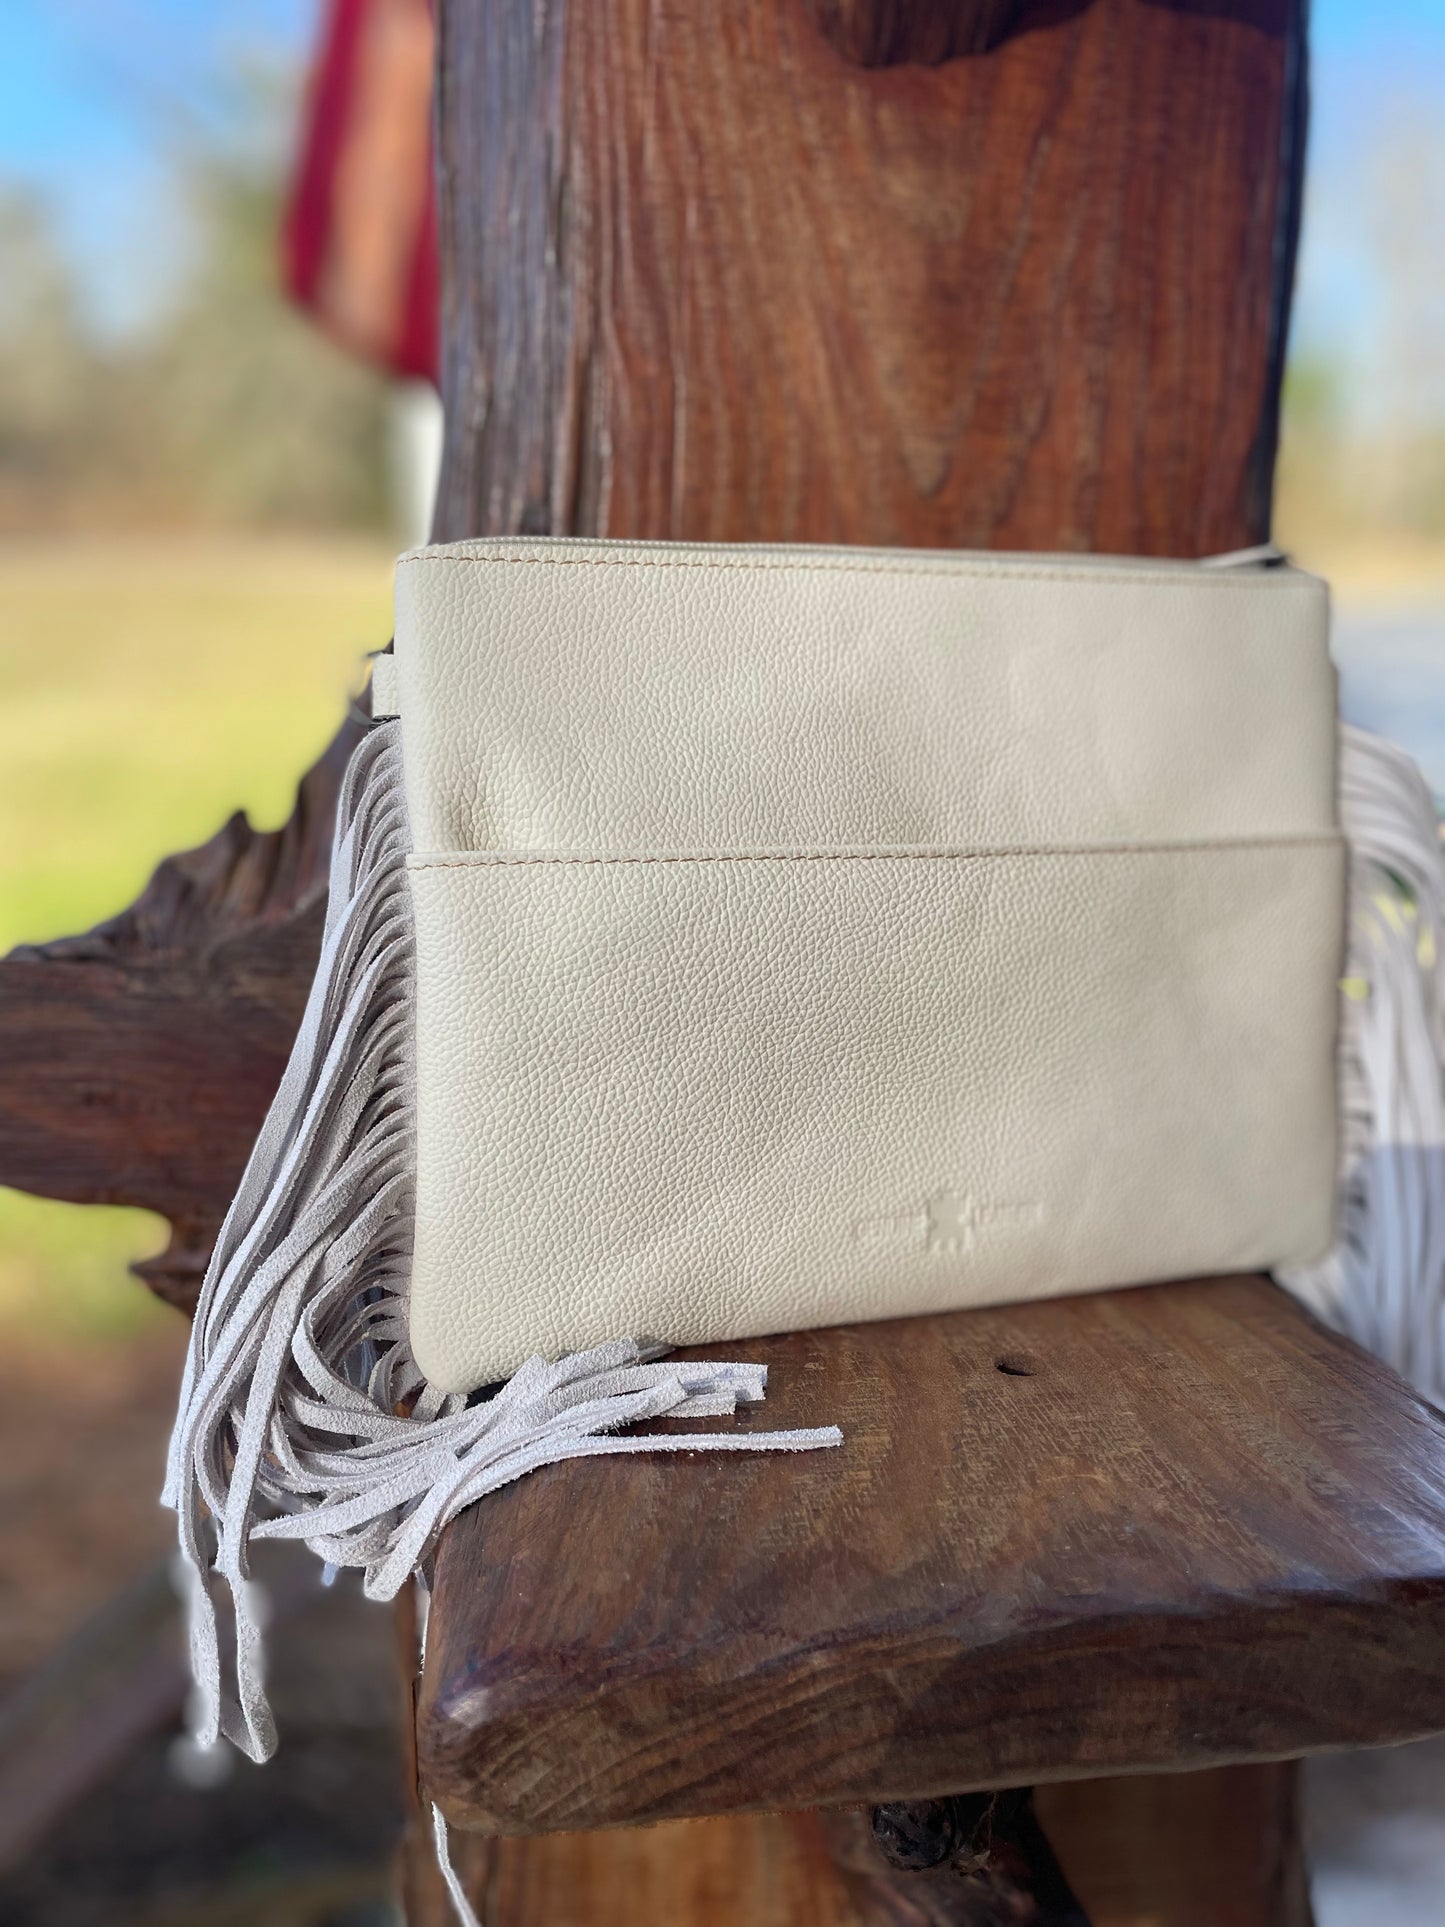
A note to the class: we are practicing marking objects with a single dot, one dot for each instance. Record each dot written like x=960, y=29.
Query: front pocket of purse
x=707, y=1097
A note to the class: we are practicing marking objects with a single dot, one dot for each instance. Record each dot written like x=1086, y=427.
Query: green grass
x=63, y=1276
x=146, y=691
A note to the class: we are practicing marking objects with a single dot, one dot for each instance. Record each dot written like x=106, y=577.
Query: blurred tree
x=1406, y=228
x=1362, y=458
x=46, y=363
x=1314, y=394
x=229, y=409
x=1313, y=508
x=277, y=425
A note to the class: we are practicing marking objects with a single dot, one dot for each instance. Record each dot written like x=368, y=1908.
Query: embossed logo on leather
x=947, y=1221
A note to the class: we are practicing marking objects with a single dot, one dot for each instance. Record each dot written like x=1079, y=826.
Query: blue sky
x=93, y=91
x=1378, y=86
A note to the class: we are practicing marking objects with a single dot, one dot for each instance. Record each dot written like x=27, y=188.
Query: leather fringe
x=301, y=1399
x=1383, y=1282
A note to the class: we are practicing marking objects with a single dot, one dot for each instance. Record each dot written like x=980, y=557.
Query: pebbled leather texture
x=814, y=935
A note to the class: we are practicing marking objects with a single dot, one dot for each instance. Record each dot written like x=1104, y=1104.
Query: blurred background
x=204, y=477
x=202, y=485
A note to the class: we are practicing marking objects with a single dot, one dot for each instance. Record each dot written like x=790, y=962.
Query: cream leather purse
x=808, y=936
x=726, y=941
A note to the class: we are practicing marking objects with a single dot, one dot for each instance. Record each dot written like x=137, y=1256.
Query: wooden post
x=705, y=278
x=902, y=272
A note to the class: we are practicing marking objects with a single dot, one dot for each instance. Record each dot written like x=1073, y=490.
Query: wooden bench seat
x=1157, y=1529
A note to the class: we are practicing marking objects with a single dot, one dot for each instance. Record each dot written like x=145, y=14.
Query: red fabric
x=308, y=210
x=394, y=323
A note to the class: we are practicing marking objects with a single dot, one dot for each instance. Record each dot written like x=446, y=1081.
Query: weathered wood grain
x=707, y=280
x=1218, y=1848
x=753, y=1870
x=1166, y=1528
x=756, y=1870
x=1210, y=1849
x=137, y=1061
x=887, y=33
x=703, y=281
x=1000, y=1870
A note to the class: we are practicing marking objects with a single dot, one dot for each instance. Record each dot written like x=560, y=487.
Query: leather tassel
x=301, y=1400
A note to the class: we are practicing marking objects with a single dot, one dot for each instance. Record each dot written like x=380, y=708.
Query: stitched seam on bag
x=490, y=860
x=1166, y=572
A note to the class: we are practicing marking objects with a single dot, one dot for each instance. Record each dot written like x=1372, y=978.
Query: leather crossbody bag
x=810, y=936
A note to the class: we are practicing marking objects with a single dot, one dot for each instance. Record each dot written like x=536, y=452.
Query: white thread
x=465, y=1912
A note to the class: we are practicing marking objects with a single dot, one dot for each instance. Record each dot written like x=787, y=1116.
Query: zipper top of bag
x=562, y=549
